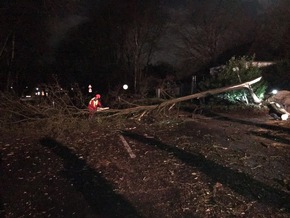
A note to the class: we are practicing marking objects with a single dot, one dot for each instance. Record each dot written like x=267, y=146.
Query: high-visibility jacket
x=94, y=104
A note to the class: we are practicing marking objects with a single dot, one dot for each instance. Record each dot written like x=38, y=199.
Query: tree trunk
x=246, y=85
x=140, y=111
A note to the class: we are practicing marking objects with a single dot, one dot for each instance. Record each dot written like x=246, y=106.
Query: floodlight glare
x=274, y=91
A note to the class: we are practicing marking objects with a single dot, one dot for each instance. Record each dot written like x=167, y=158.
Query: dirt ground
x=214, y=165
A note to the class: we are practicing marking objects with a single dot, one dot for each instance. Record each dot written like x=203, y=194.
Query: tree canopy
x=111, y=42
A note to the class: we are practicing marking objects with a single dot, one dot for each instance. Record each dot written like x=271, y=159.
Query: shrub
x=236, y=71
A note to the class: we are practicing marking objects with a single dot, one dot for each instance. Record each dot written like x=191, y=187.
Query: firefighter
x=94, y=104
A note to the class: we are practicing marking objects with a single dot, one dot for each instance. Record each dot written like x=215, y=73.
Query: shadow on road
x=247, y=122
x=98, y=193
x=272, y=137
x=239, y=182
x=261, y=125
x=2, y=212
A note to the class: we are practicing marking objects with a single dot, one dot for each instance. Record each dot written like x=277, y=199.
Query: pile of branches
x=55, y=112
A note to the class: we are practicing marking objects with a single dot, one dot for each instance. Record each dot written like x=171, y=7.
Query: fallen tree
x=140, y=111
x=28, y=112
x=246, y=85
x=63, y=116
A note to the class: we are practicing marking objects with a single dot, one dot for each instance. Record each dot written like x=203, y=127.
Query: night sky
x=111, y=42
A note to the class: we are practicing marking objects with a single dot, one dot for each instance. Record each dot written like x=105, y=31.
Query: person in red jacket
x=94, y=104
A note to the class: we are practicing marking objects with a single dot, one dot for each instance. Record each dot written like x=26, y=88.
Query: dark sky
x=174, y=7
x=60, y=22
x=63, y=24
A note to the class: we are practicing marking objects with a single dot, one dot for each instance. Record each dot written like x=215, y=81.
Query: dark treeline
x=110, y=42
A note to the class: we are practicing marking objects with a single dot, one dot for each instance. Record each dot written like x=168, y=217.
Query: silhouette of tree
x=115, y=43
x=210, y=28
x=24, y=40
x=142, y=33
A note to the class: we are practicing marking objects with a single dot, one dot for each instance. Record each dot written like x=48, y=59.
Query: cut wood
x=127, y=146
x=102, y=108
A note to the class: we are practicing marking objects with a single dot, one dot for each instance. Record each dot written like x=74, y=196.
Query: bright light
x=274, y=91
x=90, y=88
x=125, y=87
x=236, y=69
x=284, y=117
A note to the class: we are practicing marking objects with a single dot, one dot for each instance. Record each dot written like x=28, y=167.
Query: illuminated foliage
x=236, y=71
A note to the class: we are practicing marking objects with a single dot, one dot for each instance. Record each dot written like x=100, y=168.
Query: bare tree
x=24, y=38
x=211, y=28
x=141, y=35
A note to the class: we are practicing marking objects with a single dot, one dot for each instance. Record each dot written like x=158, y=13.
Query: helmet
x=98, y=96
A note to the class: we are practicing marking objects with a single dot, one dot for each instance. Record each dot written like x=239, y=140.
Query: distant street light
x=125, y=86
x=90, y=89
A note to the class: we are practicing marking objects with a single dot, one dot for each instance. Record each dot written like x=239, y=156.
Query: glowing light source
x=274, y=91
x=90, y=88
x=284, y=117
x=125, y=86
